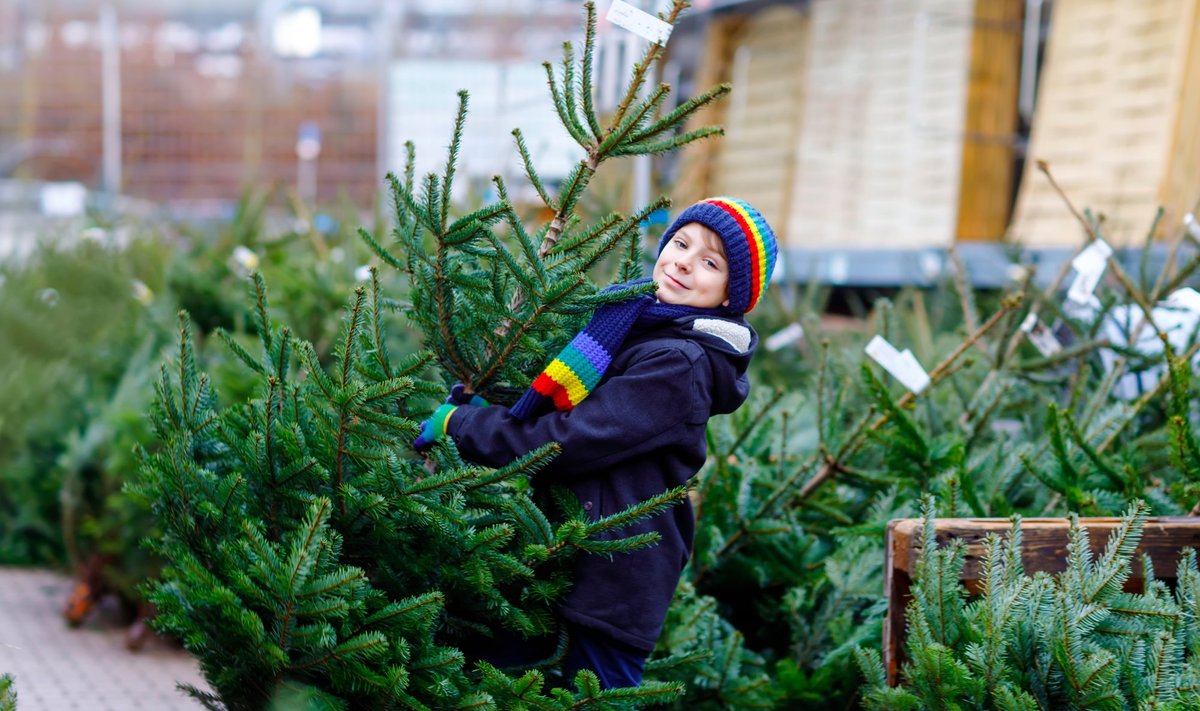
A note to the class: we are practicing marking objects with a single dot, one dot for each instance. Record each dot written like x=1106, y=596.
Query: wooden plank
x=983, y=202
x=1179, y=191
x=1044, y=549
x=885, y=97
x=756, y=163
x=698, y=160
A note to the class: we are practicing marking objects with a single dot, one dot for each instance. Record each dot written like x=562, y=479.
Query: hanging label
x=639, y=22
x=1193, y=227
x=1185, y=298
x=1040, y=335
x=1089, y=267
x=786, y=336
x=902, y=365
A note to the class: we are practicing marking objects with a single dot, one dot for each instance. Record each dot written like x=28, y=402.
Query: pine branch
x=530, y=171
x=381, y=252
x=859, y=434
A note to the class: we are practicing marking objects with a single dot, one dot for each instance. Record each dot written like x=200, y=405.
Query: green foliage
x=282, y=452
x=308, y=559
x=72, y=325
x=310, y=562
x=8, y=694
x=88, y=318
x=807, y=476
x=492, y=294
x=705, y=652
x=1074, y=640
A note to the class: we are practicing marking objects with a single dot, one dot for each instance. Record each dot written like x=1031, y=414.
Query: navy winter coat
x=639, y=433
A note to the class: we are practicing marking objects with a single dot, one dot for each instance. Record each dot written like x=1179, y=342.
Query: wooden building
x=875, y=136
x=1118, y=122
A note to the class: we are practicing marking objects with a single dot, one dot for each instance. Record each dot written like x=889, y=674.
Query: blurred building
x=186, y=104
x=875, y=135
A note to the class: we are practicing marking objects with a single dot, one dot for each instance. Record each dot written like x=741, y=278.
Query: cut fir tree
x=493, y=295
x=1074, y=640
x=312, y=558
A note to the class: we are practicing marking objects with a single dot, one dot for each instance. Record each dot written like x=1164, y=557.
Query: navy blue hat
x=750, y=245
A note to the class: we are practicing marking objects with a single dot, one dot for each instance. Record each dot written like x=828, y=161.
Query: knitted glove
x=459, y=396
x=434, y=428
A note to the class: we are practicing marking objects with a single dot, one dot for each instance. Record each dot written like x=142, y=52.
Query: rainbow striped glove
x=434, y=428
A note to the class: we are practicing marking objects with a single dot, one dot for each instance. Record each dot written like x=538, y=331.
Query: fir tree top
x=492, y=292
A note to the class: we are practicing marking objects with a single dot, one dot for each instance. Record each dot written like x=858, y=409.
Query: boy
x=628, y=401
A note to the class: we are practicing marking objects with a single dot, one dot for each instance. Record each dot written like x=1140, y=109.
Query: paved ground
x=59, y=669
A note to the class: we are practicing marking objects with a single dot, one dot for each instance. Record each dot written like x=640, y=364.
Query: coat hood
x=729, y=342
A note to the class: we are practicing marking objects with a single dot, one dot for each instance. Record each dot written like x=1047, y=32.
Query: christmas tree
x=312, y=558
x=1074, y=640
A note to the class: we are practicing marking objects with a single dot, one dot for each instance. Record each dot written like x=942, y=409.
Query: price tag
x=902, y=365
x=1185, y=298
x=838, y=268
x=785, y=337
x=639, y=22
x=1089, y=267
x=1040, y=336
x=1193, y=227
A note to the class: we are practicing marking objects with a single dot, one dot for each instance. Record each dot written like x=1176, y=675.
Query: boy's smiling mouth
x=678, y=284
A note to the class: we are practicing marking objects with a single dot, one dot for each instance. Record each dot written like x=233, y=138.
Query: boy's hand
x=434, y=428
x=459, y=396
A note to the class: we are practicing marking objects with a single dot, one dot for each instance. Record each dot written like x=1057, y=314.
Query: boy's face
x=692, y=270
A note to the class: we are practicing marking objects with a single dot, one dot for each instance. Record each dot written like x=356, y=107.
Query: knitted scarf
x=576, y=371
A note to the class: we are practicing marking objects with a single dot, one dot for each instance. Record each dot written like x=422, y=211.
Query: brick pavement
x=60, y=669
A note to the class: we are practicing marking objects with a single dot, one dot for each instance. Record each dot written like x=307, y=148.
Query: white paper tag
x=1193, y=227
x=1185, y=298
x=786, y=336
x=1040, y=336
x=839, y=268
x=902, y=365
x=639, y=22
x=1089, y=267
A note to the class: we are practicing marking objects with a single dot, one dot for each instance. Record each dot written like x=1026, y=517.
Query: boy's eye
x=710, y=264
x=680, y=244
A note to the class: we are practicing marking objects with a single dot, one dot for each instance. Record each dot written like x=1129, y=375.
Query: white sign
x=1040, y=336
x=785, y=337
x=63, y=199
x=1089, y=267
x=1193, y=227
x=639, y=22
x=1185, y=298
x=902, y=365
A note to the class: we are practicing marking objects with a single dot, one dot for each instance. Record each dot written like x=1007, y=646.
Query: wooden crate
x=1044, y=548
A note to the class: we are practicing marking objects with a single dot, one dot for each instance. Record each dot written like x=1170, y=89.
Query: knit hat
x=750, y=246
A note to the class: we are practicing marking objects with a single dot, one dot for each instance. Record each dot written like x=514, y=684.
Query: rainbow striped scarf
x=575, y=372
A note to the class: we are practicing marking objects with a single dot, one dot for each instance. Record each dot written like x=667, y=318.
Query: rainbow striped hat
x=750, y=246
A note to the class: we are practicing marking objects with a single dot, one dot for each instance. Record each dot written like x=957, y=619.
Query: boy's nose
x=682, y=264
